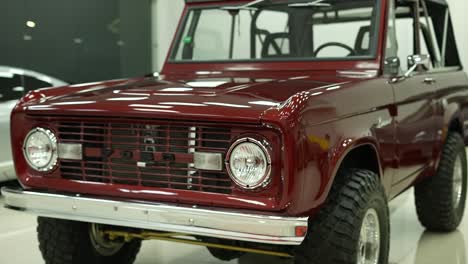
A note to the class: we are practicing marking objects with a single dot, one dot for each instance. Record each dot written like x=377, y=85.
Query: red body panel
x=321, y=110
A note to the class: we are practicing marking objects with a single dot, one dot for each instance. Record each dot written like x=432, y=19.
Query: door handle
x=429, y=80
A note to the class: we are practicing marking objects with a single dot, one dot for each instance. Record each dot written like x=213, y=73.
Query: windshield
x=262, y=30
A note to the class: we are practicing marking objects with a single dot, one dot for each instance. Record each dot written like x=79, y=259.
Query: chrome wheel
x=369, y=240
x=101, y=244
x=457, y=181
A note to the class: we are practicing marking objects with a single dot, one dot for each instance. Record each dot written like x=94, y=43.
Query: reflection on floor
x=410, y=244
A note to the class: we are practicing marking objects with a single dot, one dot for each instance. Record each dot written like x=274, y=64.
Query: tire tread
x=67, y=242
x=433, y=196
x=332, y=233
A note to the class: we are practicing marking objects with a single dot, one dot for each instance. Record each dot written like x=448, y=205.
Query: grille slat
x=95, y=170
x=149, y=142
x=156, y=168
x=70, y=128
x=117, y=137
x=145, y=182
x=205, y=147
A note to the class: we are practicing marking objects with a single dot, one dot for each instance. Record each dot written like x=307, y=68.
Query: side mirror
x=415, y=61
x=392, y=66
x=153, y=74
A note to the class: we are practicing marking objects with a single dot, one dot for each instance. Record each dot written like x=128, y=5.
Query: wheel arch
x=454, y=120
x=361, y=154
x=455, y=124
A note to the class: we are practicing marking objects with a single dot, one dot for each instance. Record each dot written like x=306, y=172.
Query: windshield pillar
x=301, y=35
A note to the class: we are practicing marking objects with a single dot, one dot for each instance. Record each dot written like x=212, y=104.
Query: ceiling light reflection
x=266, y=103
x=127, y=99
x=182, y=104
x=100, y=87
x=30, y=24
x=207, y=72
x=75, y=103
x=172, y=94
x=176, y=89
x=334, y=88
x=155, y=110
x=151, y=106
x=248, y=201
x=136, y=94
x=85, y=84
x=227, y=105
x=41, y=107
x=210, y=84
x=299, y=78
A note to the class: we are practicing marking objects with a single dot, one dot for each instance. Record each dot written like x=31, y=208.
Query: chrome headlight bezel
x=52, y=163
x=265, y=179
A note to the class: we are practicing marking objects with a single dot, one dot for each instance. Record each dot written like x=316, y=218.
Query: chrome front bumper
x=196, y=221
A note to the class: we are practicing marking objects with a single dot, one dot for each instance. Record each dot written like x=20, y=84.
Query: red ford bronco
x=275, y=127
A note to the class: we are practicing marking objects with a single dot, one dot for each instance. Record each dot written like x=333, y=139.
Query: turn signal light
x=301, y=231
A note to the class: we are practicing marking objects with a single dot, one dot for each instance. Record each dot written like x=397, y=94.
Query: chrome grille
x=114, y=152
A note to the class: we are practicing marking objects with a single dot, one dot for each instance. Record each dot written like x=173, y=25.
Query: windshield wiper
x=309, y=4
x=248, y=6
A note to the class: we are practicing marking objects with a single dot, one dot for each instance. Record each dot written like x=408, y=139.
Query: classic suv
x=275, y=127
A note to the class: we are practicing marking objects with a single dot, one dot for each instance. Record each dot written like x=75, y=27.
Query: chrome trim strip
x=191, y=149
x=208, y=222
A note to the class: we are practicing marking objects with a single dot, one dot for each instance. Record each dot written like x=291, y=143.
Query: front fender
x=322, y=149
x=321, y=127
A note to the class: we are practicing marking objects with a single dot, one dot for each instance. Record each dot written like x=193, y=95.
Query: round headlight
x=40, y=149
x=249, y=163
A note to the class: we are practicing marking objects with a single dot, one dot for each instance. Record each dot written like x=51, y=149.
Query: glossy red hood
x=233, y=99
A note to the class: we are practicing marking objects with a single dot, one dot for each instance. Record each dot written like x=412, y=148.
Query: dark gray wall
x=77, y=41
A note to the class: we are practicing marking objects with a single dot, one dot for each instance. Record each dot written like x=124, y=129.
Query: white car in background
x=14, y=83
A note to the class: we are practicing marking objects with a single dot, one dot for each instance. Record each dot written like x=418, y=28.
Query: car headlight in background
x=40, y=149
x=249, y=164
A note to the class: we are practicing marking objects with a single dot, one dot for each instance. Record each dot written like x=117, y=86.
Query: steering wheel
x=335, y=44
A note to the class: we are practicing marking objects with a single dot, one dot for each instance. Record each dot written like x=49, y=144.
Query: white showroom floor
x=409, y=243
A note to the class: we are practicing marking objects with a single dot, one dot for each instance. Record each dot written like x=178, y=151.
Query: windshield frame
x=173, y=52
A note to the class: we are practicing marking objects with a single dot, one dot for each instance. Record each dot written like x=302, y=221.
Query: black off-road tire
x=223, y=254
x=435, y=205
x=68, y=242
x=333, y=236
